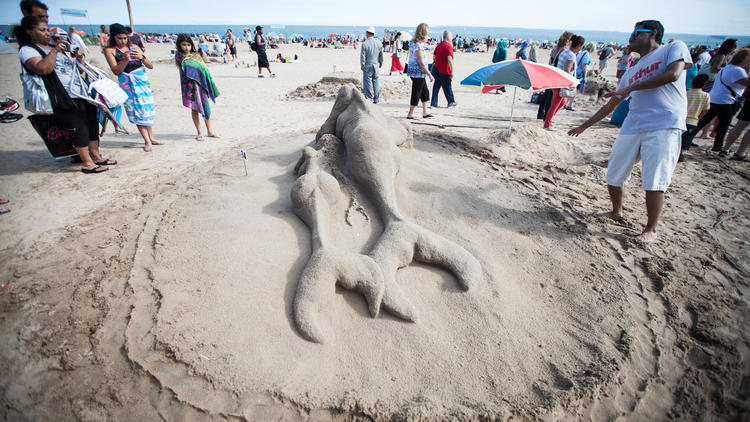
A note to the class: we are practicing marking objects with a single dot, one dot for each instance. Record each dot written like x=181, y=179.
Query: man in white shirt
x=76, y=39
x=654, y=125
x=704, y=57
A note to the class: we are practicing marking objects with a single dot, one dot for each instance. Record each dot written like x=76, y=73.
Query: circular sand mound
x=213, y=320
x=390, y=86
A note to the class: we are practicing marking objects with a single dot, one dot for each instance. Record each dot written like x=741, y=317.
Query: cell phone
x=133, y=49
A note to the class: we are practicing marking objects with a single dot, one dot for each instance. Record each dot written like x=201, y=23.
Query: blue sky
x=721, y=17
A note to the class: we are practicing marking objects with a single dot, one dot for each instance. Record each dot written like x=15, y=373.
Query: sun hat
x=370, y=29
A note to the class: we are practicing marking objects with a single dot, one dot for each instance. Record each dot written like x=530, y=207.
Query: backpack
x=603, y=54
x=254, y=46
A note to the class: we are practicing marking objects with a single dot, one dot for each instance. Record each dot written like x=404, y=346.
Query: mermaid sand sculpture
x=360, y=143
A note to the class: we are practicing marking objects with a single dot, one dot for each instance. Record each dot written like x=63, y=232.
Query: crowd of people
x=671, y=92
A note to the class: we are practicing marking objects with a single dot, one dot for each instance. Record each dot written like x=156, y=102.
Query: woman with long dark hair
x=396, y=65
x=196, y=83
x=567, y=62
x=729, y=86
x=66, y=88
x=127, y=61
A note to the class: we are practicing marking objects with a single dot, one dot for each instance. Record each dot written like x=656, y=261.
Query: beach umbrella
x=348, y=34
x=519, y=74
x=275, y=35
x=334, y=35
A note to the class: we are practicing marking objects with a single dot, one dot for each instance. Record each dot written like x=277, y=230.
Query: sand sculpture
x=360, y=144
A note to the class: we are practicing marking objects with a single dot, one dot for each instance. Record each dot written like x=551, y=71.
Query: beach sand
x=163, y=289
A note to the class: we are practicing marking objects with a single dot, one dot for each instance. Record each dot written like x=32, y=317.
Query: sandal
x=157, y=143
x=5, y=288
x=427, y=116
x=4, y=211
x=95, y=170
x=106, y=162
x=410, y=117
x=737, y=157
x=147, y=148
x=200, y=138
x=213, y=135
x=4, y=201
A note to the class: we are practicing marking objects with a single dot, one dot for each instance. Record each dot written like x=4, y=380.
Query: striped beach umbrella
x=519, y=74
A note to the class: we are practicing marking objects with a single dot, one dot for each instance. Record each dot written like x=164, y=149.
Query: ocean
x=464, y=31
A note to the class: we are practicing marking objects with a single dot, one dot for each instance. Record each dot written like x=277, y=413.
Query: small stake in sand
x=244, y=159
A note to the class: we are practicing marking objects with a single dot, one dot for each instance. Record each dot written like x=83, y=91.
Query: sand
x=165, y=288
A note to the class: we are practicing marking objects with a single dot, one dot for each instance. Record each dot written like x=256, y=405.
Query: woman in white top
x=567, y=62
x=66, y=89
x=728, y=87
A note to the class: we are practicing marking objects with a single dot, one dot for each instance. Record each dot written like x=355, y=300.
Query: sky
x=725, y=17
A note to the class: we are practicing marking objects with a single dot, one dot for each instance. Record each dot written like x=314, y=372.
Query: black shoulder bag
x=737, y=99
x=58, y=96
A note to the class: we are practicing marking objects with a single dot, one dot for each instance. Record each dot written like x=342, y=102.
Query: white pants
x=658, y=152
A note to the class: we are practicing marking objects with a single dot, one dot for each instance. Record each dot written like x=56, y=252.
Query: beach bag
x=35, y=97
x=254, y=46
x=568, y=92
x=56, y=137
x=737, y=105
x=109, y=90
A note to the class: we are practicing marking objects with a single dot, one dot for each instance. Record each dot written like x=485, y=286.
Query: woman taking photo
x=66, y=89
x=417, y=70
x=127, y=61
x=198, y=86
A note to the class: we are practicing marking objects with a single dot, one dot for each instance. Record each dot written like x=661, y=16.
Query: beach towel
x=140, y=105
x=197, y=86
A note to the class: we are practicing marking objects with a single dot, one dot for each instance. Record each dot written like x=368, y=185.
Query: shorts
x=233, y=50
x=603, y=63
x=419, y=91
x=81, y=122
x=658, y=151
x=262, y=60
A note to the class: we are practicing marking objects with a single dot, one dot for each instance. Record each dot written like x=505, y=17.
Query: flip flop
x=410, y=118
x=736, y=157
x=4, y=211
x=200, y=138
x=95, y=170
x=5, y=288
x=157, y=143
x=427, y=116
x=147, y=148
x=106, y=162
x=212, y=135
x=4, y=201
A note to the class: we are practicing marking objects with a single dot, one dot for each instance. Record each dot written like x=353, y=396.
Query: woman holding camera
x=67, y=92
x=127, y=61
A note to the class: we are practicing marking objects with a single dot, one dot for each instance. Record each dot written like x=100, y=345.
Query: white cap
x=370, y=29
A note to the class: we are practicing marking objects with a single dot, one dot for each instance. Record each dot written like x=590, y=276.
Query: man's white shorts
x=658, y=151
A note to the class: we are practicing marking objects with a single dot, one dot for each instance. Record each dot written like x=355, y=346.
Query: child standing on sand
x=196, y=83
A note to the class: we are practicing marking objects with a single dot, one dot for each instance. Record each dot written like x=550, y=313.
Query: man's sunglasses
x=637, y=31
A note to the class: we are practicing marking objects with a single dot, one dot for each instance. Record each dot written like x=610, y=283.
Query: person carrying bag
x=72, y=127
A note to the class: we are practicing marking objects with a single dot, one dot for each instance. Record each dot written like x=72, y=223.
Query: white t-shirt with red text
x=659, y=108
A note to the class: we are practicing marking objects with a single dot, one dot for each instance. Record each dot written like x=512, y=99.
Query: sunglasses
x=637, y=31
